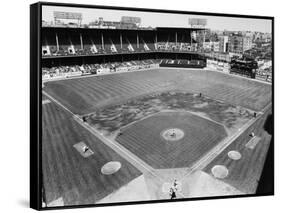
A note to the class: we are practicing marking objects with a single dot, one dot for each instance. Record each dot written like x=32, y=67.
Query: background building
x=239, y=44
x=223, y=43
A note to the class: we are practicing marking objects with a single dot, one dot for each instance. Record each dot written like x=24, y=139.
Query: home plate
x=83, y=149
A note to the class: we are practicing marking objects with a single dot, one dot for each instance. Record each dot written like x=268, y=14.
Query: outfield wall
x=218, y=66
x=102, y=71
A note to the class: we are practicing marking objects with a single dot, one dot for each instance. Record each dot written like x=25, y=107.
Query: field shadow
x=268, y=125
x=266, y=183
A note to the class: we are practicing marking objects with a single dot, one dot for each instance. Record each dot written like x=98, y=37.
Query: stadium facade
x=113, y=50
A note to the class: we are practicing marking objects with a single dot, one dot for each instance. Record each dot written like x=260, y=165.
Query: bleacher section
x=60, y=72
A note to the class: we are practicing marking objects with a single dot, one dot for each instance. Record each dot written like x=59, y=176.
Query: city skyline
x=156, y=19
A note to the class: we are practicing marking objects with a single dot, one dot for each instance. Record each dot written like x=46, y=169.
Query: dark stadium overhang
x=123, y=53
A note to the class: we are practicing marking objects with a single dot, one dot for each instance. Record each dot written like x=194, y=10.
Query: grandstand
x=112, y=41
x=102, y=47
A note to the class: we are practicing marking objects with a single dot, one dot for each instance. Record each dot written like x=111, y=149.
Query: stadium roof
x=178, y=29
x=138, y=29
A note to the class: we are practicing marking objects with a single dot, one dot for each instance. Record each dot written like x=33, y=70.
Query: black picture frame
x=266, y=184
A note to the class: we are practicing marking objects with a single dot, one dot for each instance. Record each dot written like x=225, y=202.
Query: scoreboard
x=130, y=20
x=197, y=22
x=67, y=15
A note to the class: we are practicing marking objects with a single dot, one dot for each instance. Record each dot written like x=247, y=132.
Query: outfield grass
x=244, y=174
x=66, y=173
x=84, y=95
x=144, y=140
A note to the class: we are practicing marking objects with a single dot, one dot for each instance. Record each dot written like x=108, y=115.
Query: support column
x=102, y=42
x=204, y=35
x=156, y=40
x=81, y=42
x=121, y=43
x=138, y=45
x=176, y=36
x=57, y=42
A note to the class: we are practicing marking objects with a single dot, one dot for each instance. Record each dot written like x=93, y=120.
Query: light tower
x=196, y=23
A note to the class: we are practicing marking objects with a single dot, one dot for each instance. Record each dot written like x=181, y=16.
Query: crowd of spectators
x=94, y=50
x=115, y=48
x=264, y=74
x=112, y=67
x=88, y=69
x=173, y=46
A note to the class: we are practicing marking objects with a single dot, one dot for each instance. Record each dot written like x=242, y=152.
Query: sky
x=154, y=19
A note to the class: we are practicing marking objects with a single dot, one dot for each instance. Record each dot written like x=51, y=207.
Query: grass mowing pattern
x=66, y=173
x=245, y=172
x=84, y=95
x=144, y=140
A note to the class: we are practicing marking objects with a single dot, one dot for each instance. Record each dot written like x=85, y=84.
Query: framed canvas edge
x=36, y=176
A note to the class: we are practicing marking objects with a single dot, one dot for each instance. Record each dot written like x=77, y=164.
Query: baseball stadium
x=129, y=113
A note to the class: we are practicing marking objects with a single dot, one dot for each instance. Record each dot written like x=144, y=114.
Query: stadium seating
x=57, y=42
x=86, y=69
x=49, y=42
x=64, y=43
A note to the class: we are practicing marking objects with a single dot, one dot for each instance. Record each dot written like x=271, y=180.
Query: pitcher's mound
x=172, y=134
x=219, y=171
x=110, y=167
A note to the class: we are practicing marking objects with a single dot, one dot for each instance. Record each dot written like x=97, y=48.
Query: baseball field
x=162, y=118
